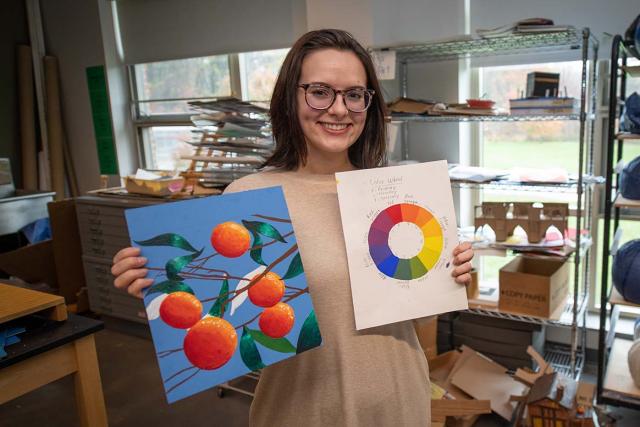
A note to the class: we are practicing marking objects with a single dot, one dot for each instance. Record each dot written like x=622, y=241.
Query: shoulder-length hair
x=291, y=150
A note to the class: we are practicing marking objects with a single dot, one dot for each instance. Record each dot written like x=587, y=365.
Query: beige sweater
x=374, y=377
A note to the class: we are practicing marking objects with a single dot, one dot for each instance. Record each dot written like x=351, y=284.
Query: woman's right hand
x=129, y=272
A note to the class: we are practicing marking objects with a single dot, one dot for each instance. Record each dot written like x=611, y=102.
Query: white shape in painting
x=238, y=300
x=153, y=308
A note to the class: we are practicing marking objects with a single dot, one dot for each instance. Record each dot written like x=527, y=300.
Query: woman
x=327, y=114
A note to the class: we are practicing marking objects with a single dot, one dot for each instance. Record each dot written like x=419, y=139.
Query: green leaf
x=256, y=254
x=249, y=351
x=168, y=239
x=281, y=345
x=221, y=302
x=309, y=334
x=174, y=266
x=169, y=286
x=295, y=268
x=265, y=229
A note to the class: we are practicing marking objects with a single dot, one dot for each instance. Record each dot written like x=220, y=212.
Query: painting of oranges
x=229, y=295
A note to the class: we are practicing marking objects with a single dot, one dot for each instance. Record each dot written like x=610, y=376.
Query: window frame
x=143, y=122
x=477, y=150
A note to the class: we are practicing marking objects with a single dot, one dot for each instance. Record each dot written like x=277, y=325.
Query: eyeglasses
x=322, y=97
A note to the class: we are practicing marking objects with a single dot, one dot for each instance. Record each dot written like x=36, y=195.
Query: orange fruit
x=180, y=310
x=230, y=239
x=210, y=343
x=267, y=291
x=277, y=321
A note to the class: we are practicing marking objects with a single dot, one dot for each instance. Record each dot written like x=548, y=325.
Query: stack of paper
x=232, y=138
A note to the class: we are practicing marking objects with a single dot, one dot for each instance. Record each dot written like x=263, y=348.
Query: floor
x=134, y=395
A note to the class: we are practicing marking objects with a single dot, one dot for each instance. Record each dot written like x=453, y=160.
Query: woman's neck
x=319, y=163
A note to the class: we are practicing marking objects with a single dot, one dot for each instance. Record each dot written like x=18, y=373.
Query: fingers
x=126, y=264
x=462, y=247
x=124, y=280
x=126, y=253
x=461, y=270
x=464, y=279
x=138, y=285
x=463, y=257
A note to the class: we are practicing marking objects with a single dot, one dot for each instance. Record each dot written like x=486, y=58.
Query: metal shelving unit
x=569, y=187
x=493, y=118
x=574, y=40
x=614, y=204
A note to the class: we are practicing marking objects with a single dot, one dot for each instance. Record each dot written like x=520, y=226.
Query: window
x=161, y=92
x=532, y=144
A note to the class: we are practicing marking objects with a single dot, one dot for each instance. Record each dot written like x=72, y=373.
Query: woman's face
x=335, y=129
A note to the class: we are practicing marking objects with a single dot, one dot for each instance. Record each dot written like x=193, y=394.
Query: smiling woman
x=327, y=116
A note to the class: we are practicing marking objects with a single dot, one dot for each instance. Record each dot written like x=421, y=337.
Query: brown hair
x=291, y=150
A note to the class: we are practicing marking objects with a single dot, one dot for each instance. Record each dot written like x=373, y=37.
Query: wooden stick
x=27, y=119
x=54, y=126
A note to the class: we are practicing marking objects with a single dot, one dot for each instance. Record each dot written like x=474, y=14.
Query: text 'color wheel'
x=405, y=268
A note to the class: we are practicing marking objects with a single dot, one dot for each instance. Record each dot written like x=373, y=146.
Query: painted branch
x=271, y=218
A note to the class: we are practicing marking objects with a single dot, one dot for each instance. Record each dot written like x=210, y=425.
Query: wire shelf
x=569, y=187
x=559, y=356
x=566, y=318
x=556, y=41
x=489, y=118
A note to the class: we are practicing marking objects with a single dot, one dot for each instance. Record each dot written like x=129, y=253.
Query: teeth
x=334, y=126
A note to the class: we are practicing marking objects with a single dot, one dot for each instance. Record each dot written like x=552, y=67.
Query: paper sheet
x=400, y=231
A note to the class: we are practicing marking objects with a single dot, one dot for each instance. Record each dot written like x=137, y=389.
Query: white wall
x=72, y=34
x=13, y=31
x=355, y=16
x=154, y=30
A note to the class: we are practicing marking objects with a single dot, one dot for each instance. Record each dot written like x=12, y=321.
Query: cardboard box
x=67, y=252
x=533, y=286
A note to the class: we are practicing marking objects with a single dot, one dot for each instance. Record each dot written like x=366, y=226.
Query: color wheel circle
x=405, y=268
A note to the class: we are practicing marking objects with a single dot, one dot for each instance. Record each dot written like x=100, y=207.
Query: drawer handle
x=142, y=314
x=97, y=240
x=95, y=221
x=93, y=211
x=95, y=230
x=98, y=251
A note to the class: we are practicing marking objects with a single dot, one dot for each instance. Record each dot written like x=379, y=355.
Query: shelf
x=559, y=356
x=621, y=202
x=616, y=299
x=565, y=318
x=618, y=385
x=509, y=44
x=570, y=187
x=498, y=118
x=632, y=70
x=628, y=136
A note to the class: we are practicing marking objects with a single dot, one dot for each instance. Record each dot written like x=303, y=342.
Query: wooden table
x=50, y=350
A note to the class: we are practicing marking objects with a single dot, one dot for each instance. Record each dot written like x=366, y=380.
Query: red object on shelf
x=480, y=103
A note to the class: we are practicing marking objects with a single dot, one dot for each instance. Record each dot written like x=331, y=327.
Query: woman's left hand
x=462, y=255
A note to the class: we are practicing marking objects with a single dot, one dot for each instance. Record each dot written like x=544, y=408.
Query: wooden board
x=17, y=302
x=618, y=378
x=617, y=298
x=484, y=379
x=624, y=135
x=621, y=202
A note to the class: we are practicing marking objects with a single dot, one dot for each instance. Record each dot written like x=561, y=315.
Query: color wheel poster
x=400, y=231
x=229, y=294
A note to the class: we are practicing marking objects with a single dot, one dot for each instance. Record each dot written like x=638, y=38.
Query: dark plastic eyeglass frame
x=306, y=86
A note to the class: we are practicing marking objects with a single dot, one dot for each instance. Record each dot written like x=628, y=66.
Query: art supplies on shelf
x=543, y=106
x=232, y=138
